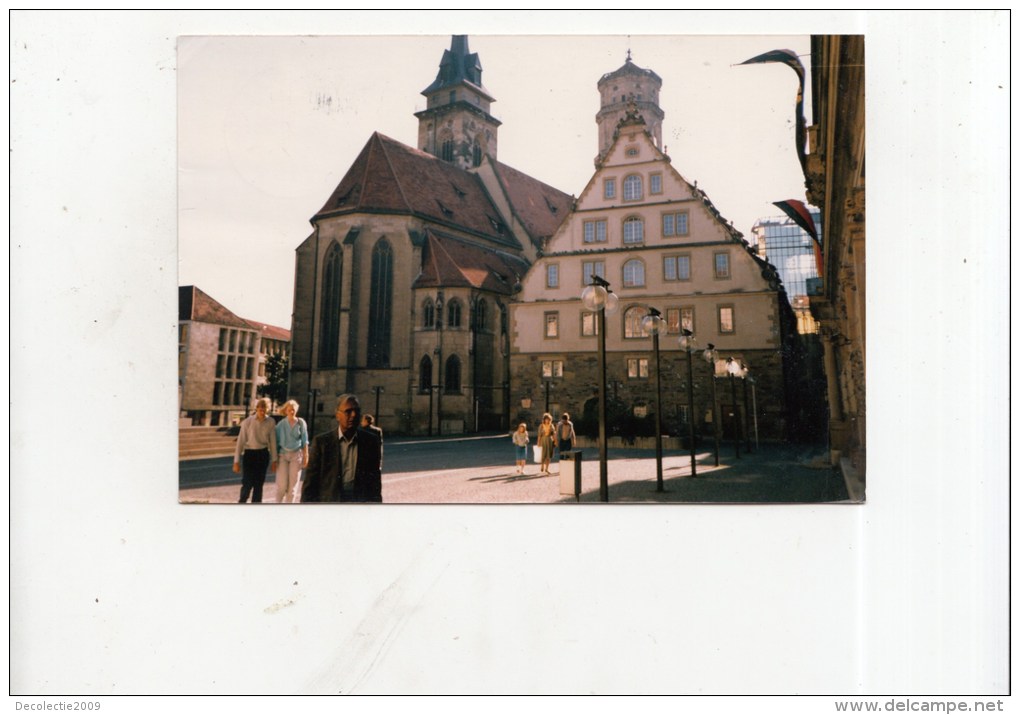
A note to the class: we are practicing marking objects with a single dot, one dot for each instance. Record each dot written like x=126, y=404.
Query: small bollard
x=570, y=480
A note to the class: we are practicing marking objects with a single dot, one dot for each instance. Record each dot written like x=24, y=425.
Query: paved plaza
x=773, y=473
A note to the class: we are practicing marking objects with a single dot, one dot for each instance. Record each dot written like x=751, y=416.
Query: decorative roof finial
x=628, y=54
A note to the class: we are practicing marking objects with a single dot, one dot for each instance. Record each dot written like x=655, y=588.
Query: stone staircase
x=204, y=442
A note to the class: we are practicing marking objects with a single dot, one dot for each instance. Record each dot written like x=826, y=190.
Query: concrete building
x=219, y=359
x=836, y=184
x=401, y=289
x=660, y=242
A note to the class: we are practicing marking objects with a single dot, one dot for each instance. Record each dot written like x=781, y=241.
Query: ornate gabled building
x=836, y=182
x=401, y=289
x=659, y=242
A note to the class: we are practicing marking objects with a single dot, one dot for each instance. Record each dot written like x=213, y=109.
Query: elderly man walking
x=255, y=450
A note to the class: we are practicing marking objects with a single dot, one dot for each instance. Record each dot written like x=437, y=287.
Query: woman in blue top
x=292, y=443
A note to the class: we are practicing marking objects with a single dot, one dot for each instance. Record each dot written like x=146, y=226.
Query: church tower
x=623, y=92
x=456, y=125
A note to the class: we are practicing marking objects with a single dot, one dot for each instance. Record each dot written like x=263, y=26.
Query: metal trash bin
x=570, y=479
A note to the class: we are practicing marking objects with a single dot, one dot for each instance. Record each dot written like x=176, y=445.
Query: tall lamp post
x=313, y=398
x=733, y=368
x=377, y=389
x=652, y=324
x=600, y=300
x=710, y=355
x=687, y=345
x=745, y=374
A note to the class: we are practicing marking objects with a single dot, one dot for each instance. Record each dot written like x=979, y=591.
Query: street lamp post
x=652, y=324
x=377, y=389
x=599, y=299
x=313, y=395
x=710, y=356
x=744, y=373
x=548, y=384
x=754, y=411
x=733, y=368
x=687, y=345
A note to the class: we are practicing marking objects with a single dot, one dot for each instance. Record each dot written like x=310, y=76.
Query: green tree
x=275, y=387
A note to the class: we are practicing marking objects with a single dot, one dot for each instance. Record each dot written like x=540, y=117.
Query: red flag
x=791, y=60
x=800, y=215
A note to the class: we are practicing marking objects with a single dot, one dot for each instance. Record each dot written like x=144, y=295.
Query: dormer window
x=459, y=191
x=446, y=212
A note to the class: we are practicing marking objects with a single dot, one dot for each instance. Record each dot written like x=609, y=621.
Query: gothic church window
x=425, y=374
x=329, y=324
x=380, y=307
x=453, y=314
x=428, y=312
x=452, y=374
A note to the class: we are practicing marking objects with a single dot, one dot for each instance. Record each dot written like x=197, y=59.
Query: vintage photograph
x=521, y=269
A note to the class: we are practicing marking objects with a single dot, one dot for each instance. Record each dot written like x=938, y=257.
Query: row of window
x=676, y=318
x=637, y=368
x=672, y=223
x=454, y=314
x=674, y=268
x=234, y=366
x=633, y=186
x=231, y=393
x=236, y=341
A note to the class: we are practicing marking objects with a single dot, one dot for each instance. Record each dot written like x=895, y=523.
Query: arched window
x=632, y=325
x=380, y=309
x=329, y=322
x=452, y=381
x=633, y=230
x=633, y=273
x=481, y=314
x=476, y=154
x=425, y=374
x=632, y=188
x=453, y=314
x=447, y=151
x=428, y=313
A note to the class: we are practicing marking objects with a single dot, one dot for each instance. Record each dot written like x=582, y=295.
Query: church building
x=402, y=288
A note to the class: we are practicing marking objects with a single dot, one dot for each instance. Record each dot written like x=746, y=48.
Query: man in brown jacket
x=344, y=465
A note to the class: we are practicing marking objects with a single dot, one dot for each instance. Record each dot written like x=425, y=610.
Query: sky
x=269, y=125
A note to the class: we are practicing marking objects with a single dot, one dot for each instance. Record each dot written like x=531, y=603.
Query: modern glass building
x=791, y=250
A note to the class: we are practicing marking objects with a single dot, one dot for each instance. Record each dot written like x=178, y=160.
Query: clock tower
x=456, y=125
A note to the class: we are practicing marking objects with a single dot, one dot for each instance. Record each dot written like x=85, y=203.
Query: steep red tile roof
x=390, y=177
x=538, y=206
x=449, y=261
x=194, y=304
x=270, y=331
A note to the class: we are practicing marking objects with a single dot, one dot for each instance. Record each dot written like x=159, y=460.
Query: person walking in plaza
x=546, y=441
x=344, y=464
x=565, y=434
x=520, y=438
x=368, y=422
x=255, y=450
x=292, y=442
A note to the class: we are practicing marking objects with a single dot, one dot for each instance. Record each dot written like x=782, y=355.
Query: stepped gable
x=390, y=177
x=451, y=262
x=196, y=305
x=538, y=206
